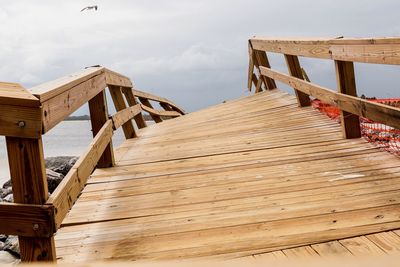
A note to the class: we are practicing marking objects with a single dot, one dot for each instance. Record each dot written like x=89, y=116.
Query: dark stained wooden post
x=119, y=103
x=130, y=98
x=294, y=68
x=29, y=185
x=98, y=117
x=346, y=82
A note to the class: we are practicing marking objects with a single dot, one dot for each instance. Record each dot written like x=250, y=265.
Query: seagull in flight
x=90, y=8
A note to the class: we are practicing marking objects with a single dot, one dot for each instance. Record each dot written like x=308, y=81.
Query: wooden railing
x=25, y=115
x=344, y=52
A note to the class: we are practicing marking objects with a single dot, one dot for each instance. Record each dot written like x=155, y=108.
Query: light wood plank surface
x=245, y=178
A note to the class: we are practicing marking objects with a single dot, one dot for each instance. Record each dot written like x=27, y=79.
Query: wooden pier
x=264, y=176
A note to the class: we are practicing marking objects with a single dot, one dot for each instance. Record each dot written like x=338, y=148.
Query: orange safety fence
x=381, y=135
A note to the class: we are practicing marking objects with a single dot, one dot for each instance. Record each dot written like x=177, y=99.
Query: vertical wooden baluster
x=261, y=59
x=99, y=116
x=119, y=103
x=29, y=185
x=130, y=98
x=346, y=82
x=294, y=68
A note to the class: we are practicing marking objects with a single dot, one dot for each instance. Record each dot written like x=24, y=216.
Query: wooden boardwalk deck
x=250, y=176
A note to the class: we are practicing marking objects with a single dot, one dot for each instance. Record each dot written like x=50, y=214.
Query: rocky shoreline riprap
x=56, y=169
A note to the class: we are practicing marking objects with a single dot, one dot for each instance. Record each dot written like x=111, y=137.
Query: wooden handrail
x=28, y=114
x=344, y=51
x=365, y=50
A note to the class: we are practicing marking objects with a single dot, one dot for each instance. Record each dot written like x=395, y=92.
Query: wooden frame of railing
x=344, y=51
x=26, y=115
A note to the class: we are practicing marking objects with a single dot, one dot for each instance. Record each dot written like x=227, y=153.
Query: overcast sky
x=193, y=52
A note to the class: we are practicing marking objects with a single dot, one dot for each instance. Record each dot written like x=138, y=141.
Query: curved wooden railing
x=25, y=115
x=344, y=52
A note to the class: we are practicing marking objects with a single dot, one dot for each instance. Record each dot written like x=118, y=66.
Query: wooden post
x=29, y=185
x=119, y=103
x=130, y=98
x=294, y=68
x=99, y=116
x=147, y=103
x=347, y=85
x=261, y=59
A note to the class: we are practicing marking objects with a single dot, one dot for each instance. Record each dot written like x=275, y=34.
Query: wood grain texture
x=127, y=114
x=377, y=50
x=117, y=79
x=165, y=113
x=346, y=81
x=15, y=94
x=293, y=65
x=130, y=98
x=119, y=103
x=146, y=106
x=27, y=220
x=29, y=183
x=208, y=185
x=98, y=117
x=261, y=59
x=374, y=111
x=12, y=116
x=149, y=96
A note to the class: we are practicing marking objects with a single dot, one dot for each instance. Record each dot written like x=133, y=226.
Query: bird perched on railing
x=90, y=8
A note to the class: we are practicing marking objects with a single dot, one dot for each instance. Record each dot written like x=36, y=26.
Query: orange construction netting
x=381, y=135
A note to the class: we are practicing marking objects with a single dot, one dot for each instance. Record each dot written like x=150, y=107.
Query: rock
x=60, y=164
x=3, y=237
x=2, y=245
x=9, y=198
x=5, y=192
x=7, y=258
x=7, y=184
x=12, y=246
x=53, y=179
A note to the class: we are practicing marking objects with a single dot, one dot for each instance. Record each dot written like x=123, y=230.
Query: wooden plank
x=29, y=182
x=149, y=96
x=258, y=86
x=98, y=117
x=125, y=115
x=374, y=111
x=379, y=50
x=116, y=79
x=294, y=68
x=119, y=103
x=332, y=248
x=27, y=220
x=250, y=74
x=71, y=186
x=360, y=246
x=261, y=59
x=53, y=88
x=165, y=113
x=347, y=85
x=146, y=106
x=19, y=121
x=130, y=98
x=387, y=241
x=15, y=94
x=57, y=108
x=300, y=252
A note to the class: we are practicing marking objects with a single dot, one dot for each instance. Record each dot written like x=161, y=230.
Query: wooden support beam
x=29, y=183
x=127, y=114
x=294, y=68
x=147, y=106
x=346, y=82
x=119, y=103
x=130, y=98
x=158, y=99
x=67, y=192
x=27, y=220
x=116, y=79
x=374, y=111
x=258, y=86
x=160, y=113
x=261, y=60
x=98, y=116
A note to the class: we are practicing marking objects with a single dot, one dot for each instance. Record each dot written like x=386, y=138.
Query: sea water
x=68, y=138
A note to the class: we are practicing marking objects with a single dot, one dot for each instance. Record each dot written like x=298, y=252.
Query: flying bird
x=89, y=8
